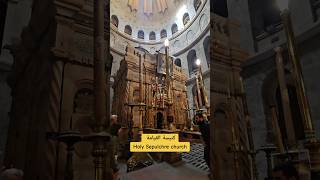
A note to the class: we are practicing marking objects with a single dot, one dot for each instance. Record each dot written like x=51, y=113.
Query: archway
x=191, y=59
x=177, y=62
x=159, y=120
x=114, y=20
x=206, y=46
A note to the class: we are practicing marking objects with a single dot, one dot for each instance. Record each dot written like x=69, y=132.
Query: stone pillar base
x=314, y=152
x=298, y=158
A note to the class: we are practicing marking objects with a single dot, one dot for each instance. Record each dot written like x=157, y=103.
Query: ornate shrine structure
x=144, y=93
x=230, y=123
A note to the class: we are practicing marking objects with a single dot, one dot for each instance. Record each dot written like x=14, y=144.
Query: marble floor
x=192, y=167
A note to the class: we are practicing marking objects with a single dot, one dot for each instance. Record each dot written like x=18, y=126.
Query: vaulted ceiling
x=151, y=14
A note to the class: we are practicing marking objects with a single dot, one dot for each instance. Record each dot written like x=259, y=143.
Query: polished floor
x=192, y=167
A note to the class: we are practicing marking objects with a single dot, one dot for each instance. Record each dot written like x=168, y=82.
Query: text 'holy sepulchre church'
x=249, y=68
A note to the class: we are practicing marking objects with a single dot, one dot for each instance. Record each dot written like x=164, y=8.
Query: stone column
x=100, y=95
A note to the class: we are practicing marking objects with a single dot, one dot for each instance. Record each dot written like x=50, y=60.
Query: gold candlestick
x=298, y=76
x=285, y=97
x=276, y=128
x=203, y=89
x=249, y=131
x=198, y=94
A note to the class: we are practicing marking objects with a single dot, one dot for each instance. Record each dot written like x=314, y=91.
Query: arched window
x=114, y=20
x=191, y=58
x=152, y=35
x=197, y=4
x=140, y=34
x=206, y=46
x=174, y=28
x=163, y=33
x=177, y=62
x=128, y=30
x=186, y=18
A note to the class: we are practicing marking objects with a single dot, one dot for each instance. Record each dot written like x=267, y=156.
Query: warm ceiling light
x=283, y=4
x=198, y=62
x=166, y=43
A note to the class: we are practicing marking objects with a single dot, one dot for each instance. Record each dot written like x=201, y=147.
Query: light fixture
x=198, y=62
x=283, y=5
x=166, y=43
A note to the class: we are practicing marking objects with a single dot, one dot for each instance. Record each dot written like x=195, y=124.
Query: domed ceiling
x=148, y=13
x=151, y=15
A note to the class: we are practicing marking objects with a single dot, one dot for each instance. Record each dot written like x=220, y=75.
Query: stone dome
x=152, y=20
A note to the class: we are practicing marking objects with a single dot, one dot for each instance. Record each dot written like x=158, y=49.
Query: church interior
x=81, y=79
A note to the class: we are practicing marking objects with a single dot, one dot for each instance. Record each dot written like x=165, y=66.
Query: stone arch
x=177, y=62
x=152, y=35
x=185, y=18
x=115, y=20
x=197, y=4
x=174, y=28
x=159, y=120
x=140, y=34
x=206, y=46
x=128, y=30
x=191, y=59
x=163, y=33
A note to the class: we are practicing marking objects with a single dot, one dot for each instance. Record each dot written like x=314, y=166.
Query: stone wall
x=14, y=24
x=256, y=76
x=5, y=104
x=260, y=66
